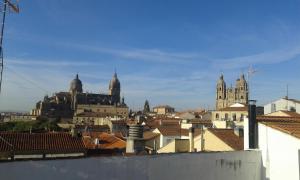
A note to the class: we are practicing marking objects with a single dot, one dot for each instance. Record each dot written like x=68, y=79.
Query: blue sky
x=169, y=52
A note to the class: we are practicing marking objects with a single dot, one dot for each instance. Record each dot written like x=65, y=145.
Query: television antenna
x=250, y=73
x=13, y=7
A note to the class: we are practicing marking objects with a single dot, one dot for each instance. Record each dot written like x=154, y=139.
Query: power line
x=26, y=79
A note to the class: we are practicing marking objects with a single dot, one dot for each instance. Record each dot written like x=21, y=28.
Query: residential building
x=152, y=140
x=20, y=117
x=219, y=140
x=229, y=117
x=164, y=110
x=99, y=143
x=277, y=136
x=169, y=133
x=282, y=104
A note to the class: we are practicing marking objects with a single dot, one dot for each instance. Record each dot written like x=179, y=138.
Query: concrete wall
x=280, y=153
x=244, y=165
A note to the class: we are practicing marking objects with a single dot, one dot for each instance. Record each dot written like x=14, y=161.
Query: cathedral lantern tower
x=221, y=93
x=75, y=88
x=115, y=89
x=76, y=85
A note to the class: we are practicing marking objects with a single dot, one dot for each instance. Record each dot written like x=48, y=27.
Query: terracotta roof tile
x=289, y=125
x=176, y=131
x=106, y=141
x=150, y=135
x=41, y=142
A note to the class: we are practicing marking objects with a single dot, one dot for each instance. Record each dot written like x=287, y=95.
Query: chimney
x=239, y=132
x=191, y=138
x=135, y=142
x=252, y=125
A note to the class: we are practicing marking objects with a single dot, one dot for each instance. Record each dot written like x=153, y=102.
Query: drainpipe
x=202, y=138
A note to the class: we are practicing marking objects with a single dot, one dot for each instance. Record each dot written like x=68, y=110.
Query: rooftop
x=106, y=141
x=234, y=109
x=163, y=106
x=229, y=137
x=40, y=142
x=288, y=125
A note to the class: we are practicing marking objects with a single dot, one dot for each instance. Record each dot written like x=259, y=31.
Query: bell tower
x=221, y=93
x=242, y=90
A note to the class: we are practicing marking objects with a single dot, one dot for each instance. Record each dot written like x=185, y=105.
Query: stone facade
x=228, y=96
x=68, y=104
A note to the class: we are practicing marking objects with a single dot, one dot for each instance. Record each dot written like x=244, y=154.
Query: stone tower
x=221, y=92
x=228, y=96
x=115, y=89
x=241, y=90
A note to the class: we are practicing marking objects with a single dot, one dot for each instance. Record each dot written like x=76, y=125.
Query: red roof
x=288, y=125
x=106, y=141
x=40, y=142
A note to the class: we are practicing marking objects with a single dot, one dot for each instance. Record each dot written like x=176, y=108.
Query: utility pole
x=7, y=5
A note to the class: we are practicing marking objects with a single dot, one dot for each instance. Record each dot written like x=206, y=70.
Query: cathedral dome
x=76, y=85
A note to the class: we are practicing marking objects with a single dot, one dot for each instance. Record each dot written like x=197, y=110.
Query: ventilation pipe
x=252, y=125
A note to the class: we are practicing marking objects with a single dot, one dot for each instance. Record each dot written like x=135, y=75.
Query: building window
x=234, y=117
x=242, y=97
x=220, y=97
x=293, y=109
x=273, y=108
x=226, y=116
x=217, y=116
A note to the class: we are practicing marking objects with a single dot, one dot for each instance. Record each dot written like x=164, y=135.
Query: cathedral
x=228, y=96
x=69, y=104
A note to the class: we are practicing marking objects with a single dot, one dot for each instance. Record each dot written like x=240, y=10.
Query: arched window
x=226, y=116
x=242, y=117
x=220, y=97
x=217, y=116
x=234, y=117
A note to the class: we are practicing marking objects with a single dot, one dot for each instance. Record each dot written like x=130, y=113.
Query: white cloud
x=272, y=57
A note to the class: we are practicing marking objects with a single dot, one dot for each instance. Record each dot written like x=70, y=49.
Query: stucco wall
x=281, y=104
x=280, y=153
x=244, y=165
x=211, y=143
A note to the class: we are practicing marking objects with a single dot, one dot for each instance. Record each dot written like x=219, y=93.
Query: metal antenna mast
x=15, y=8
x=251, y=71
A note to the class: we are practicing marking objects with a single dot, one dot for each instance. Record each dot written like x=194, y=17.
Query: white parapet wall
x=238, y=165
